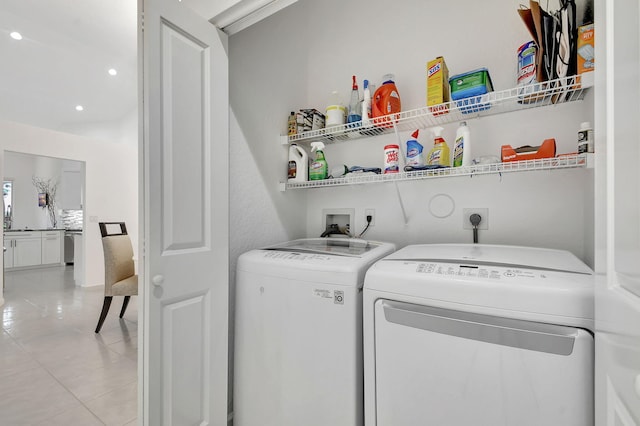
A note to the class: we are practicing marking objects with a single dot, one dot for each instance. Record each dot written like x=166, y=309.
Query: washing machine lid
x=320, y=260
x=352, y=247
x=519, y=282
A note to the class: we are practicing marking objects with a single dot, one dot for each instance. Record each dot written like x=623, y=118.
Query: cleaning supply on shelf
x=336, y=115
x=585, y=138
x=438, y=86
x=291, y=124
x=470, y=89
x=386, y=100
x=355, y=114
x=319, y=168
x=462, y=155
x=366, y=103
x=414, y=151
x=338, y=171
x=298, y=164
x=391, y=159
x=439, y=154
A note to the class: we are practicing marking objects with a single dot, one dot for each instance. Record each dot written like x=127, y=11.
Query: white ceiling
x=62, y=61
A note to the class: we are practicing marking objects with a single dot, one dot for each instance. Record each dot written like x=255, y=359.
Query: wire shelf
x=562, y=90
x=561, y=162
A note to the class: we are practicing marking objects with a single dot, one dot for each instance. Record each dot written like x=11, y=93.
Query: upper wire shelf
x=552, y=92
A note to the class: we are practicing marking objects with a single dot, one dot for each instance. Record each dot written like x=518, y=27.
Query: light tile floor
x=54, y=370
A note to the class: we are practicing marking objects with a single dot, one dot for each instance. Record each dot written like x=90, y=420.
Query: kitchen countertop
x=33, y=230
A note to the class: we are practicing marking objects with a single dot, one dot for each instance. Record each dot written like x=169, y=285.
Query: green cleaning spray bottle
x=319, y=169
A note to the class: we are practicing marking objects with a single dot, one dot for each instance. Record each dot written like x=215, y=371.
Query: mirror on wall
x=7, y=201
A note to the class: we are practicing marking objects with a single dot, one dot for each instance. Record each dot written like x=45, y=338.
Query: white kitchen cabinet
x=27, y=249
x=32, y=248
x=71, y=190
x=8, y=253
x=51, y=247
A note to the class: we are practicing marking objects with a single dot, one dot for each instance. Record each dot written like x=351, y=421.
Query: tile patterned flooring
x=54, y=370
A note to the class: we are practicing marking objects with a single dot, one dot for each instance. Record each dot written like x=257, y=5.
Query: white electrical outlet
x=484, y=221
x=372, y=213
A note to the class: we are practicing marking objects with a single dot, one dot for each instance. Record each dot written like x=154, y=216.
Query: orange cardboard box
x=586, y=45
x=546, y=150
x=586, y=49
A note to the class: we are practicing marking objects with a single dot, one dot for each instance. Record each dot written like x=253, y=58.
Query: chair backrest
x=118, y=255
x=105, y=232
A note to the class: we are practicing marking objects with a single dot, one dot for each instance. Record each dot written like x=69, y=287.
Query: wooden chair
x=120, y=278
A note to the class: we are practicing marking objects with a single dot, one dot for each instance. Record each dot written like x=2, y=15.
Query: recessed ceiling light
x=113, y=71
x=79, y=108
x=16, y=35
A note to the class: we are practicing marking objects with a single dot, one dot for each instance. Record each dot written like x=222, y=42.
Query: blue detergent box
x=469, y=90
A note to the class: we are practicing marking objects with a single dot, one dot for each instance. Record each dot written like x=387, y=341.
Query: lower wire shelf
x=561, y=162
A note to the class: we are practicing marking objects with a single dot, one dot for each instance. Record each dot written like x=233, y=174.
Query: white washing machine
x=458, y=335
x=298, y=333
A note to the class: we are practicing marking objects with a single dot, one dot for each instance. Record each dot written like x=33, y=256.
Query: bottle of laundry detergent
x=386, y=100
x=298, y=164
x=462, y=146
x=318, y=169
x=439, y=154
x=414, y=151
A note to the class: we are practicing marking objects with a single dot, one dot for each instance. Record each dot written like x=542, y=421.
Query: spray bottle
x=462, y=146
x=414, y=151
x=319, y=168
x=355, y=114
x=439, y=154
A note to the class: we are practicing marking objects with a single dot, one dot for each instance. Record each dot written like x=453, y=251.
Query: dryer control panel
x=476, y=271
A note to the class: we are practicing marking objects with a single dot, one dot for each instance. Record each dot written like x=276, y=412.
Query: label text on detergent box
x=437, y=86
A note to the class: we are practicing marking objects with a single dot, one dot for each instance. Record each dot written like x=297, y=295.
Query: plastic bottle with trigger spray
x=414, y=151
x=439, y=154
x=462, y=155
x=355, y=113
x=319, y=169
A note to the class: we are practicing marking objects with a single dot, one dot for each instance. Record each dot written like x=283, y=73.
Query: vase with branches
x=49, y=188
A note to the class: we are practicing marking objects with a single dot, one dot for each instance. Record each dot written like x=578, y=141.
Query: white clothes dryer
x=298, y=332
x=458, y=335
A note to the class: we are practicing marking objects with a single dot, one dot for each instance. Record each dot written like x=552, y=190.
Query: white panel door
x=185, y=191
x=618, y=291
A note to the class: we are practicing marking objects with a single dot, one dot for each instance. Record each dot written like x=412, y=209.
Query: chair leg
x=124, y=305
x=103, y=314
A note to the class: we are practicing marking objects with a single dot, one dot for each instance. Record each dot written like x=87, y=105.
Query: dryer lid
x=494, y=255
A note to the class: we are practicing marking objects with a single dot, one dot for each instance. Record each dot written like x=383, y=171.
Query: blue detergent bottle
x=414, y=151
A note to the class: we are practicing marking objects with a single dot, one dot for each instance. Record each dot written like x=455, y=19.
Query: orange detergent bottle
x=386, y=100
